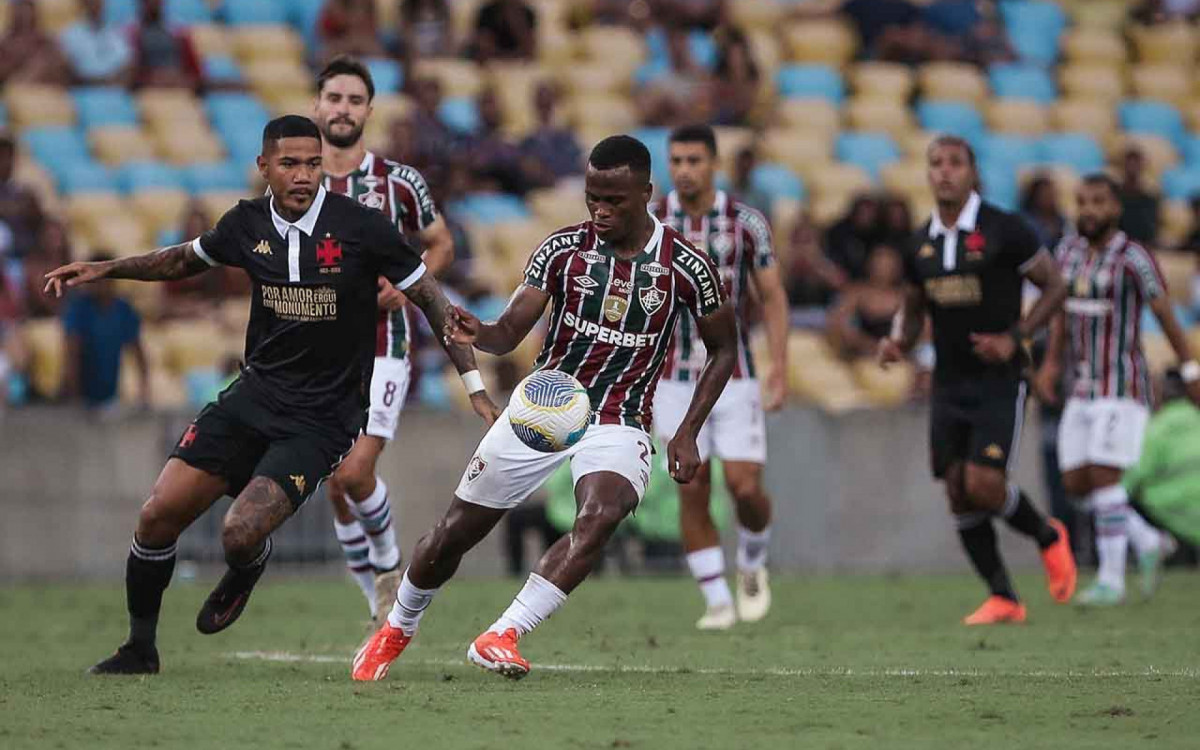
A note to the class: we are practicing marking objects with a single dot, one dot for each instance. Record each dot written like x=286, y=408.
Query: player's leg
x=353, y=540
x=1111, y=510
x=978, y=538
x=180, y=494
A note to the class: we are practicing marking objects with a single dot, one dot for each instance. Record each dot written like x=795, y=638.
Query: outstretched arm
x=1161, y=306
x=166, y=264
x=719, y=333
x=503, y=335
x=906, y=327
x=775, y=320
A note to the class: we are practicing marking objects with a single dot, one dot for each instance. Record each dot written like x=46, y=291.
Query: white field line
x=1191, y=674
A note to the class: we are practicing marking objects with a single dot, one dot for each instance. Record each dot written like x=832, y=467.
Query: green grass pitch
x=849, y=662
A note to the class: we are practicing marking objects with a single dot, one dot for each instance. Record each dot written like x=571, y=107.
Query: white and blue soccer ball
x=549, y=411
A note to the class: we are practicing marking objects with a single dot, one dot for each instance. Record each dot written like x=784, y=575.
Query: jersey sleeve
x=758, y=233
x=1142, y=266
x=219, y=245
x=1021, y=245
x=413, y=193
x=699, y=283
x=908, y=256
x=393, y=257
x=541, y=271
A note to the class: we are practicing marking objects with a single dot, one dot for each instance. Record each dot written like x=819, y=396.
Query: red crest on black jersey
x=329, y=252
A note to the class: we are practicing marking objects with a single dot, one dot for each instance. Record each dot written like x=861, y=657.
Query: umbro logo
x=262, y=248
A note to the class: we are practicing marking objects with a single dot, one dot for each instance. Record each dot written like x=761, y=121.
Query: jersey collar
x=651, y=246
x=305, y=223
x=720, y=203
x=966, y=218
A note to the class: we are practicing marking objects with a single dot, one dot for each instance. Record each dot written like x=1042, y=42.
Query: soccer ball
x=549, y=411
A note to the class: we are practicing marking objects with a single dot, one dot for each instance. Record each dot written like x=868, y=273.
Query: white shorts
x=389, y=388
x=1104, y=431
x=735, y=429
x=504, y=471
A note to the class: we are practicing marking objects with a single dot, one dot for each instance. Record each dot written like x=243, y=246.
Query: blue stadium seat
x=387, y=74
x=459, y=114
x=955, y=118
x=867, y=150
x=303, y=15
x=1153, y=117
x=56, y=148
x=650, y=70
x=1191, y=150
x=703, y=49
x=148, y=176
x=1034, y=28
x=85, y=177
x=186, y=12
x=1181, y=183
x=242, y=143
x=1076, y=150
x=120, y=12
x=221, y=69
x=810, y=82
x=255, y=12
x=1014, y=149
x=1014, y=81
x=239, y=119
x=104, y=105
x=656, y=141
x=490, y=208
x=777, y=181
x=1000, y=184
x=207, y=178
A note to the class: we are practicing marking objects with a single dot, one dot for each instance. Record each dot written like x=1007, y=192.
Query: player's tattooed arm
x=1044, y=273
x=427, y=294
x=503, y=335
x=165, y=264
x=718, y=331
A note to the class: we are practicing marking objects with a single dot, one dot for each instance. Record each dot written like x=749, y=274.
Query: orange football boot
x=376, y=656
x=497, y=652
x=996, y=610
x=1060, y=565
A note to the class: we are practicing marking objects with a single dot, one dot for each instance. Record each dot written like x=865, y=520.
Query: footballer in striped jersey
x=1110, y=280
x=616, y=285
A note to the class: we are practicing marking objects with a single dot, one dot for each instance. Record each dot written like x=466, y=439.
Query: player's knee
x=239, y=538
x=984, y=488
x=745, y=488
x=597, y=520
x=1075, y=483
x=157, y=525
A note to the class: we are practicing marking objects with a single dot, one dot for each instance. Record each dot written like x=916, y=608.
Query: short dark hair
x=1105, y=179
x=618, y=151
x=345, y=65
x=945, y=139
x=289, y=126
x=695, y=134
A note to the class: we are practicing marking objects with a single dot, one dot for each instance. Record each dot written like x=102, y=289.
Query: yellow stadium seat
x=760, y=14
x=730, y=141
x=555, y=47
x=810, y=115
x=838, y=180
x=557, y=207
x=1091, y=81
x=290, y=102
x=881, y=80
x=1016, y=116
x=883, y=115
x=1100, y=14
x=612, y=45
x=616, y=113
x=1177, y=268
x=515, y=241
x=265, y=74
x=122, y=235
x=268, y=42
x=55, y=15
x=1160, y=153
x=1094, y=117
x=458, y=77
x=806, y=152
x=1091, y=45
x=915, y=145
x=31, y=174
x=168, y=106
x=1172, y=43
x=1167, y=82
x=827, y=383
x=1191, y=113
x=954, y=81
x=1175, y=222
x=86, y=210
x=585, y=79
x=193, y=344
x=1194, y=338
x=829, y=41
x=211, y=40
x=217, y=203
x=33, y=105
x=159, y=209
x=118, y=145
x=767, y=52
x=907, y=177
x=1158, y=351
x=189, y=144
x=46, y=344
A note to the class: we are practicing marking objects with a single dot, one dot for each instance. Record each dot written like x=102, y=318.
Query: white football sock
x=1112, y=536
x=708, y=568
x=409, y=606
x=752, y=548
x=356, y=550
x=375, y=514
x=536, y=601
x=1142, y=535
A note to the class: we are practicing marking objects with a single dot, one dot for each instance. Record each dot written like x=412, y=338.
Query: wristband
x=1189, y=371
x=473, y=381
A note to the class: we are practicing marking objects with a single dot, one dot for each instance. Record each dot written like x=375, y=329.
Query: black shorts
x=977, y=420
x=242, y=435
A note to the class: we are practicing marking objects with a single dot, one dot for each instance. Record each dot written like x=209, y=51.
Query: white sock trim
x=708, y=568
x=752, y=548
x=536, y=601
x=410, y=605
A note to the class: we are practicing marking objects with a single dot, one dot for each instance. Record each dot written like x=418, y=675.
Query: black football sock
x=147, y=574
x=979, y=540
x=1019, y=513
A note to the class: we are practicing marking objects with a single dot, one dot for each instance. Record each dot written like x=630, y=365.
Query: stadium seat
x=999, y=184
x=585, y=79
x=1160, y=153
x=1109, y=15
x=186, y=12
x=617, y=44
x=1171, y=43
x=953, y=117
x=1013, y=149
x=386, y=74
x=55, y=145
x=212, y=40
x=85, y=177
x=491, y=208
x=192, y=143
x=882, y=80
x=1066, y=182
x=867, y=150
x=104, y=105
x=767, y=51
x=879, y=115
x=1181, y=183
x=841, y=181
x=557, y=207
x=615, y=113
x=1175, y=223
x=169, y=106
x=514, y=241
x=777, y=181
x=259, y=12
x=207, y=178
x=114, y=146
x=1076, y=150
x=268, y=76
x=952, y=81
x=1091, y=45
x=36, y=106
x=1191, y=149
x=805, y=152
x=303, y=15
x=915, y=144
x=235, y=109
x=758, y=15
x=828, y=41
x=121, y=12
x=1017, y=117
x=1096, y=118
x=216, y=203
x=458, y=77
x=1153, y=117
x=1177, y=268
x=1092, y=81
x=46, y=341
x=810, y=82
x=459, y=114
x=221, y=70
x=159, y=209
x=122, y=235
x=279, y=42
x=1163, y=82
x=1014, y=81
x=1033, y=28
x=140, y=176
x=810, y=115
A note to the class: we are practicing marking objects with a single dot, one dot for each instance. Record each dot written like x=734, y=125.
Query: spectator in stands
x=987, y=43
x=350, y=27
x=744, y=162
x=433, y=143
x=954, y=18
x=1191, y=244
x=680, y=92
x=1165, y=11
x=99, y=52
x=19, y=205
x=691, y=14
x=53, y=250
x=100, y=326
x=736, y=81
x=896, y=224
x=196, y=296
x=14, y=354
x=889, y=29
x=1039, y=206
x=496, y=162
x=425, y=29
x=505, y=29
x=551, y=145
x=634, y=13
x=849, y=241
x=164, y=57
x=1139, y=203
x=864, y=310
x=810, y=278
x=28, y=54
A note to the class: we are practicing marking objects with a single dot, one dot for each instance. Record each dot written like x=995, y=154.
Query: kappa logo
x=652, y=298
x=299, y=481
x=994, y=452
x=262, y=248
x=926, y=251
x=475, y=468
x=615, y=307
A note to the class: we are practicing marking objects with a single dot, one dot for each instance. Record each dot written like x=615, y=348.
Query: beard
x=344, y=140
x=1092, y=231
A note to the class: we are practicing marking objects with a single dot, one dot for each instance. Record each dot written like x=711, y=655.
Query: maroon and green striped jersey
x=738, y=240
x=1107, y=291
x=612, y=320
x=400, y=192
